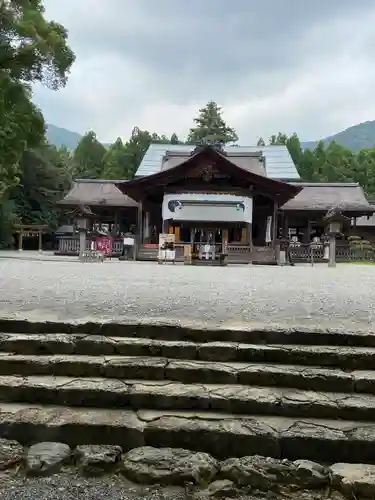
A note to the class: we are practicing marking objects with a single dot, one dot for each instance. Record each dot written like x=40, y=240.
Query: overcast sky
x=288, y=65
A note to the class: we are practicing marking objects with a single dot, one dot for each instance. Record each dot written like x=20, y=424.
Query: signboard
x=104, y=245
x=166, y=238
x=207, y=207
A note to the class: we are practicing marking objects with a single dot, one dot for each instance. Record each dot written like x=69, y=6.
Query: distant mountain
x=62, y=137
x=355, y=138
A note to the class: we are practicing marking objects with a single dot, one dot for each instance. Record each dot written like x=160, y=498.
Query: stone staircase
x=231, y=393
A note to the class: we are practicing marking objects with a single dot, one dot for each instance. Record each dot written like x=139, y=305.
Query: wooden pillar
x=307, y=233
x=146, y=225
x=244, y=235
x=250, y=240
x=274, y=223
x=281, y=251
x=140, y=224
x=249, y=230
x=40, y=241
x=165, y=226
x=187, y=254
x=285, y=226
x=116, y=222
x=20, y=240
x=224, y=238
x=177, y=232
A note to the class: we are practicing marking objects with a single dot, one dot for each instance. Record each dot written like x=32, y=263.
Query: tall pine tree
x=210, y=126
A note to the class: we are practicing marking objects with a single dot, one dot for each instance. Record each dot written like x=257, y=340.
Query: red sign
x=104, y=245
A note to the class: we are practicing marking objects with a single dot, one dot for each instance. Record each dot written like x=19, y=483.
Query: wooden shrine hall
x=236, y=201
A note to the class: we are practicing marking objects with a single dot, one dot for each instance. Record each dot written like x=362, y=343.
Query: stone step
x=222, y=435
x=264, y=335
x=165, y=394
x=351, y=358
x=189, y=371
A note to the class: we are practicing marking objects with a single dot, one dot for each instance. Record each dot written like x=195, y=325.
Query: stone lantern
x=82, y=215
x=335, y=221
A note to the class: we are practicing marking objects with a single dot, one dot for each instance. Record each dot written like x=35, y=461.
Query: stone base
x=200, y=474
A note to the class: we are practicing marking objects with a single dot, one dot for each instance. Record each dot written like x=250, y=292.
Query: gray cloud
x=273, y=65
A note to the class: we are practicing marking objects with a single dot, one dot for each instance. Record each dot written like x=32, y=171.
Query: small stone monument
x=82, y=214
x=334, y=220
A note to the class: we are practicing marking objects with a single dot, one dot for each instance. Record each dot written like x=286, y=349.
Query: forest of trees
x=35, y=174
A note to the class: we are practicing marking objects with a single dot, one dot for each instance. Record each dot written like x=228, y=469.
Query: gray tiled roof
x=251, y=163
x=323, y=196
x=279, y=164
x=97, y=192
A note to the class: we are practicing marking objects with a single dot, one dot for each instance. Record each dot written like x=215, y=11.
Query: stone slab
x=353, y=358
x=354, y=480
x=308, y=335
x=95, y=460
x=223, y=436
x=46, y=458
x=266, y=473
x=189, y=371
x=172, y=466
x=164, y=394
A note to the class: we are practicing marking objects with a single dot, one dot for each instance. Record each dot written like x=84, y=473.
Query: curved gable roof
x=137, y=187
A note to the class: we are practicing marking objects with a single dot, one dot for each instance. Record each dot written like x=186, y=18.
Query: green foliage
x=355, y=138
x=8, y=217
x=21, y=126
x=331, y=163
x=45, y=175
x=361, y=248
x=88, y=157
x=211, y=126
x=122, y=160
x=116, y=164
x=31, y=50
x=44, y=180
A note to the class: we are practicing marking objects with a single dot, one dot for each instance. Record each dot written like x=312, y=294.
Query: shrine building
x=238, y=200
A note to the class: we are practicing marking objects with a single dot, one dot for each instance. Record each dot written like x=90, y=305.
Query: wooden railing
x=69, y=245
x=307, y=253
x=150, y=252
x=239, y=254
x=344, y=253
x=264, y=254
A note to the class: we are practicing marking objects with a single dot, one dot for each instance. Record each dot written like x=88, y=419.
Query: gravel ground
x=126, y=291
x=70, y=486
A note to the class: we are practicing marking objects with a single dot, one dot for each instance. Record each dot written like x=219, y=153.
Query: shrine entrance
x=30, y=231
x=207, y=243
